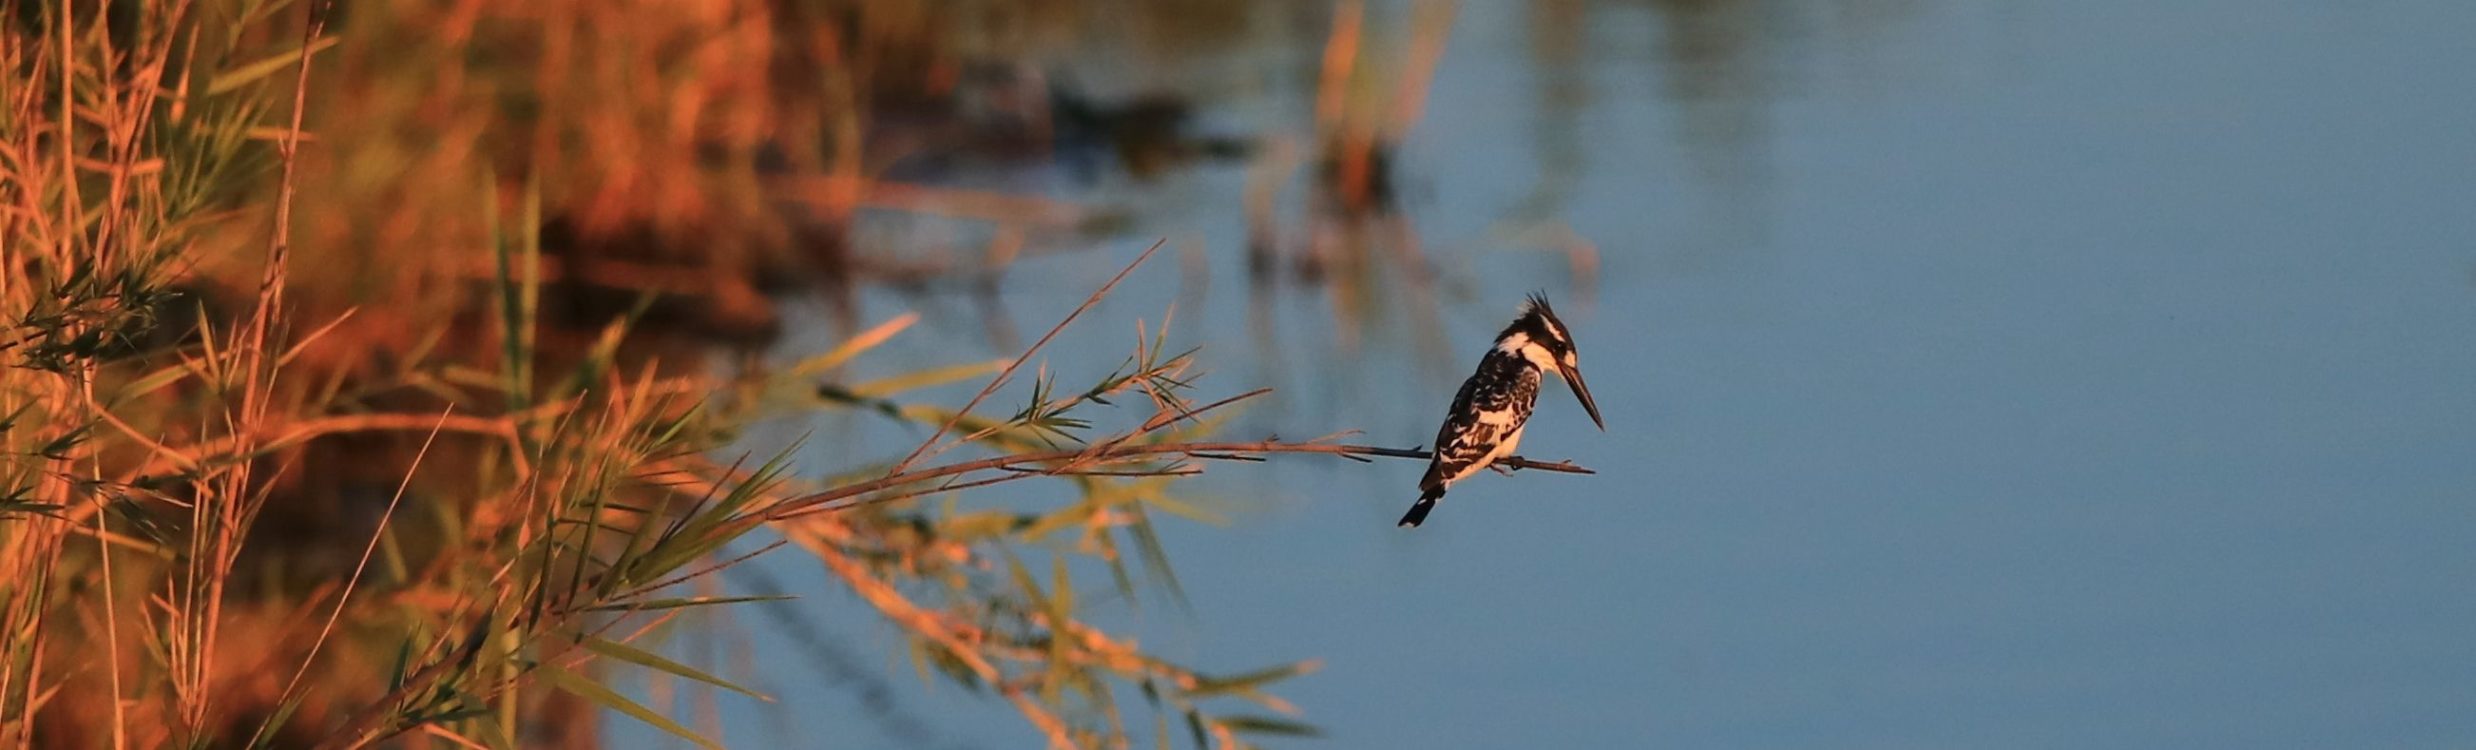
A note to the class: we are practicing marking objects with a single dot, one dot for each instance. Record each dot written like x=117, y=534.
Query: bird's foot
x=1503, y=469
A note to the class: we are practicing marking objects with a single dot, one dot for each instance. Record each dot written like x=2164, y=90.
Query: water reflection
x=1669, y=117
x=1721, y=62
x=1335, y=196
x=1558, y=43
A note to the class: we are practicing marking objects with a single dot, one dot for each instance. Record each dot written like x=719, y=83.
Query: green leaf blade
x=587, y=689
x=650, y=660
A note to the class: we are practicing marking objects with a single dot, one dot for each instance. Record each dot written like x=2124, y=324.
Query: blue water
x=2028, y=374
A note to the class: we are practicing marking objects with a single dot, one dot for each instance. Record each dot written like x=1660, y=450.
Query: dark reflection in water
x=1557, y=43
x=1722, y=62
x=1320, y=100
x=1724, y=66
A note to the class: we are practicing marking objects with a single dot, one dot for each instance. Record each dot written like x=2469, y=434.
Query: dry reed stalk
x=1009, y=371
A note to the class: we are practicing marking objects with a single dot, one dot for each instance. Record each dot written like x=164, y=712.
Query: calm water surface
x=2025, y=374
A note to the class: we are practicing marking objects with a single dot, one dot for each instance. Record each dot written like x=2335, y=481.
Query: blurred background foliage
x=369, y=361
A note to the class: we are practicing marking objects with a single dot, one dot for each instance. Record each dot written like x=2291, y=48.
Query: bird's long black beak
x=1581, y=390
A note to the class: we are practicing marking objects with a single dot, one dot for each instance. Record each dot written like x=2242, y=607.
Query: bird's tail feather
x=1418, y=511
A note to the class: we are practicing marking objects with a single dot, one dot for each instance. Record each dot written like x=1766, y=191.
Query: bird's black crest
x=1539, y=321
x=1537, y=301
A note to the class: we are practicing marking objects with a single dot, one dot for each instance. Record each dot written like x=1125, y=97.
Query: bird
x=1488, y=414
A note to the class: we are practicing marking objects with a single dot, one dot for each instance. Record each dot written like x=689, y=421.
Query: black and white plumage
x=1494, y=405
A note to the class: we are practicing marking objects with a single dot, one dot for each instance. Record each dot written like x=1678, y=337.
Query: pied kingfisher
x=1493, y=405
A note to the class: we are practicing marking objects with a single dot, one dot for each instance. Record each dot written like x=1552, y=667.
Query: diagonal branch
x=848, y=496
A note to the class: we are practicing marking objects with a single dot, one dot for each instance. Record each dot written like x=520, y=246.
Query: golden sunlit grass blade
x=152, y=382
x=872, y=338
x=929, y=378
x=255, y=71
x=1271, y=725
x=611, y=699
x=1251, y=682
x=1189, y=511
x=652, y=605
x=647, y=659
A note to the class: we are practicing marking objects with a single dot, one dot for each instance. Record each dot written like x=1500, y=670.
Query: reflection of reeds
x=1356, y=246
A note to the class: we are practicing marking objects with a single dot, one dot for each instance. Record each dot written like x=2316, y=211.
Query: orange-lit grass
x=557, y=511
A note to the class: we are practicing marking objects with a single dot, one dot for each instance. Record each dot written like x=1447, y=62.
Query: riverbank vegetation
x=372, y=372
